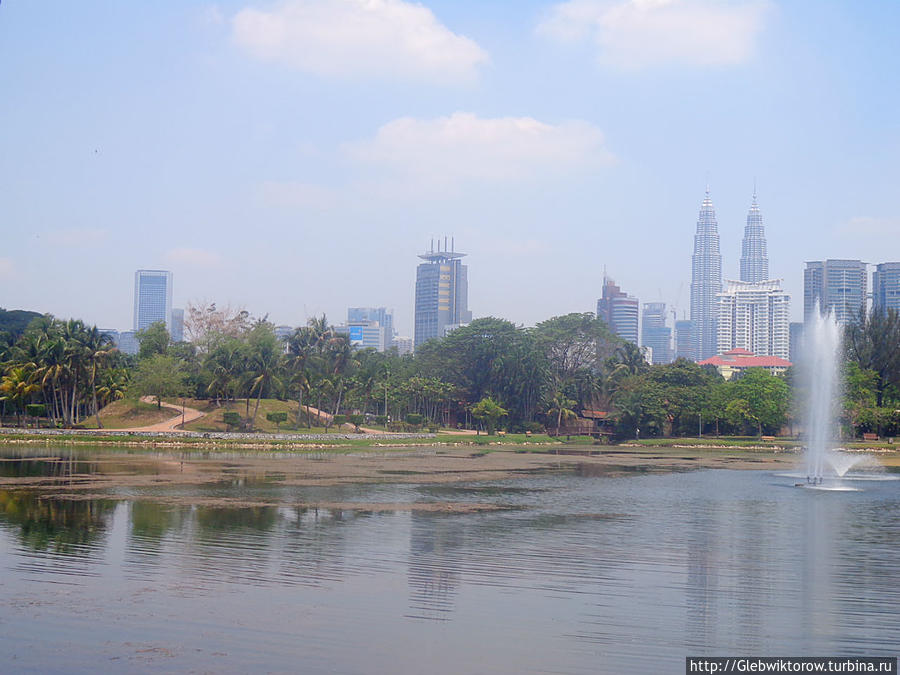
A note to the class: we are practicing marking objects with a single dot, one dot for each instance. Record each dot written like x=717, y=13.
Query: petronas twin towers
x=710, y=335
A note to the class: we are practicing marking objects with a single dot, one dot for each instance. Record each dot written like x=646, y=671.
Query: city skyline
x=260, y=173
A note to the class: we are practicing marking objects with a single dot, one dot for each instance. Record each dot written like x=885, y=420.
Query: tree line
x=490, y=373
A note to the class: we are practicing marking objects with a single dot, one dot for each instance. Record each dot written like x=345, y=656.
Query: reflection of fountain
x=823, y=343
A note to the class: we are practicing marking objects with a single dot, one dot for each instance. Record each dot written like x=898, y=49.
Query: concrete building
x=363, y=334
x=177, y=323
x=619, y=310
x=684, y=340
x=706, y=281
x=738, y=360
x=886, y=286
x=655, y=334
x=381, y=315
x=442, y=292
x=796, y=339
x=754, y=253
x=403, y=344
x=754, y=316
x=152, y=298
x=128, y=342
x=839, y=286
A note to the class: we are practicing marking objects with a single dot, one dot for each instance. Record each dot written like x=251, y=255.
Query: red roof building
x=738, y=360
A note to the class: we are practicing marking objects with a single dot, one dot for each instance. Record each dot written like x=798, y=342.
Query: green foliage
x=159, y=376
x=356, y=420
x=231, y=419
x=36, y=410
x=488, y=411
x=381, y=419
x=277, y=418
x=154, y=340
x=873, y=344
x=415, y=419
x=14, y=322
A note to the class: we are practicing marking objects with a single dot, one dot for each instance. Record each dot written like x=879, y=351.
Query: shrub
x=231, y=419
x=277, y=418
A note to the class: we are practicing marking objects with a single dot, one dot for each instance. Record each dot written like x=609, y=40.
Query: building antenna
x=754, y=189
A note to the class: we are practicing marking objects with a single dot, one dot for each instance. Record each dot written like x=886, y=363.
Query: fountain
x=822, y=353
x=821, y=359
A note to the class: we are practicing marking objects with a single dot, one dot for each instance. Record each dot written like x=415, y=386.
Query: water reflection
x=62, y=526
x=585, y=574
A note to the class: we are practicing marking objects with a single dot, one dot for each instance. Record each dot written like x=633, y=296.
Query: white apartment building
x=754, y=316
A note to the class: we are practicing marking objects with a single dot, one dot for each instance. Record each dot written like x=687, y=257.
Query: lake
x=577, y=572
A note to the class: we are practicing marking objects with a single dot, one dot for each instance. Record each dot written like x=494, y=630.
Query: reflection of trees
x=212, y=520
x=60, y=525
x=433, y=572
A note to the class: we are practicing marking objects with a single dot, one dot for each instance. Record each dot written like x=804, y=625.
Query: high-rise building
x=177, y=330
x=128, y=343
x=403, y=344
x=442, y=293
x=152, y=298
x=796, y=331
x=839, y=287
x=655, y=333
x=754, y=256
x=619, y=310
x=382, y=315
x=684, y=340
x=755, y=316
x=706, y=281
x=886, y=286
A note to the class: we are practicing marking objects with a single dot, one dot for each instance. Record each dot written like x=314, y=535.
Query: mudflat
x=110, y=474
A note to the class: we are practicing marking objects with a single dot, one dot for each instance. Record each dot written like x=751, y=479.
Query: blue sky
x=293, y=157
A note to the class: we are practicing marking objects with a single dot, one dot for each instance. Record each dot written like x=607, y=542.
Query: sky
x=294, y=157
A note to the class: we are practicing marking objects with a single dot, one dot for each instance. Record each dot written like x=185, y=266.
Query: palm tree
x=98, y=349
x=264, y=363
x=561, y=407
x=17, y=387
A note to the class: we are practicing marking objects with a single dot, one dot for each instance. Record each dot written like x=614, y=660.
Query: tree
x=767, y=398
x=277, y=418
x=263, y=361
x=158, y=376
x=154, y=340
x=17, y=387
x=873, y=342
x=489, y=412
x=232, y=419
x=560, y=407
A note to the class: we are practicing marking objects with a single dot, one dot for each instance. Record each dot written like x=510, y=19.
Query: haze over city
x=293, y=158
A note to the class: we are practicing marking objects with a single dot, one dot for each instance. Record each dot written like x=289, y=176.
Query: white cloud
x=447, y=151
x=294, y=194
x=7, y=269
x=358, y=38
x=76, y=237
x=633, y=34
x=194, y=257
x=866, y=225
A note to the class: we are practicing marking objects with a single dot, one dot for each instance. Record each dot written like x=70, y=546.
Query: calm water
x=592, y=574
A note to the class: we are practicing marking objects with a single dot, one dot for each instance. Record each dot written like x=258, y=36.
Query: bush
x=414, y=419
x=277, y=418
x=381, y=419
x=231, y=419
x=36, y=410
x=339, y=420
x=356, y=420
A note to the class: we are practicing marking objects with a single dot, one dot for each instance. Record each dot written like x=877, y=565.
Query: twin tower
x=751, y=313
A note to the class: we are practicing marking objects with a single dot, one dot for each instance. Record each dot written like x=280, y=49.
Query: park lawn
x=213, y=421
x=128, y=414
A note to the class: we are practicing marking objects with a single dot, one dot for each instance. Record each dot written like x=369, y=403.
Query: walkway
x=172, y=424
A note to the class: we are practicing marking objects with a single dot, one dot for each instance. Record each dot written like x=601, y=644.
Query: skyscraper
x=684, y=340
x=754, y=256
x=442, y=291
x=886, y=286
x=839, y=286
x=152, y=298
x=655, y=333
x=619, y=310
x=706, y=281
x=177, y=330
x=755, y=316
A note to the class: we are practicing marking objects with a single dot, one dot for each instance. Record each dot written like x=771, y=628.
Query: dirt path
x=172, y=424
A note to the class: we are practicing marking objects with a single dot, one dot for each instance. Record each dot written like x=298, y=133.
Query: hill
x=15, y=321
